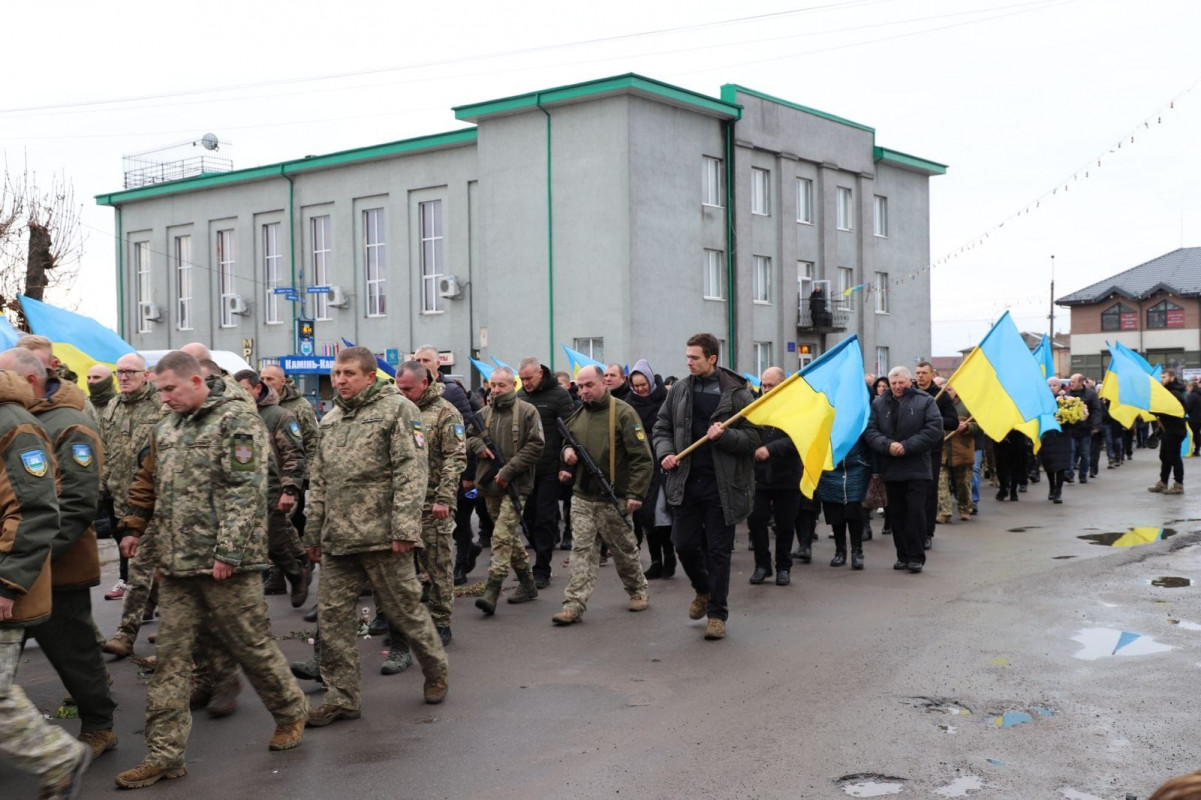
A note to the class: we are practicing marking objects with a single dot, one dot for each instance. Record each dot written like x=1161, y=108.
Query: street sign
x=307, y=365
x=295, y=298
x=317, y=290
x=283, y=290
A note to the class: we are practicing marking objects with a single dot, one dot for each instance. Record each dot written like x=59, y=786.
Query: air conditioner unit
x=450, y=287
x=338, y=298
x=150, y=312
x=234, y=304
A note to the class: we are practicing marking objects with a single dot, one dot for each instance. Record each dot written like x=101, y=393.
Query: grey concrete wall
x=905, y=330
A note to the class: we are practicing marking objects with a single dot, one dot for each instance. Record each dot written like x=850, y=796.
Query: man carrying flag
x=1170, y=444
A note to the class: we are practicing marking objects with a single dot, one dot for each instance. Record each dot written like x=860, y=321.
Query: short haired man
x=713, y=489
x=777, y=492
x=615, y=381
x=923, y=376
x=1082, y=432
x=101, y=389
x=1172, y=440
x=611, y=433
x=208, y=463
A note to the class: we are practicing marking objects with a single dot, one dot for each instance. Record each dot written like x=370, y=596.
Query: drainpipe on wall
x=120, y=275
x=292, y=252
x=550, y=244
x=731, y=343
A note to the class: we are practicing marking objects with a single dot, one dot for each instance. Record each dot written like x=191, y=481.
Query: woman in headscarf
x=652, y=521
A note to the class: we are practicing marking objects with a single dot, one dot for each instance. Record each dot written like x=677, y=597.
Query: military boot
x=487, y=603
x=309, y=670
x=399, y=657
x=273, y=581
x=527, y=591
x=301, y=582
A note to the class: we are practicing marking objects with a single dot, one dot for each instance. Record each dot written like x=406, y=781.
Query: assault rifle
x=593, y=470
x=499, y=460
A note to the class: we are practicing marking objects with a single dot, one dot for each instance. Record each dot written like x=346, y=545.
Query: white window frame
x=143, y=282
x=804, y=201
x=431, y=256
x=227, y=265
x=762, y=281
x=763, y=358
x=846, y=210
x=882, y=360
x=880, y=223
x=846, y=279
x=273, y=259
x=712, y=182
x=375, y=252
x=184, y=276
x=323, y=254
x=715, y=275
x=881, y=292
x=591, y=346
x=761, y=191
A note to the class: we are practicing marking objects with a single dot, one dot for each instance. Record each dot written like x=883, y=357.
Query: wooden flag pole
x=724, y=424
x=952, y=433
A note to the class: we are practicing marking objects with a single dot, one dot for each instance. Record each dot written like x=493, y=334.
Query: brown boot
x=700, y=605
x=225, y=699
x=100, y=741
x=120, y=646
x=144, y=775
x=435, y=689
x=639, y=601
x=716, y=629
x=287, y=735
x=566, y=617
x=300, y=585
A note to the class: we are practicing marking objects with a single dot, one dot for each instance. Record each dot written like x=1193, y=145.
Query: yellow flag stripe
x=807, y=417
x=991, y=406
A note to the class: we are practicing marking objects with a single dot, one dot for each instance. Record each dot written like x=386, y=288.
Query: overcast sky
x=1020, y=99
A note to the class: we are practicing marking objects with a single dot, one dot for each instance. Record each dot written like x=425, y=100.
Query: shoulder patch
x=35, y=462
x=241, y=450
x=294, y=426
x=460, y=433
x=639, y=433
x=418, y=435
x=82, y=454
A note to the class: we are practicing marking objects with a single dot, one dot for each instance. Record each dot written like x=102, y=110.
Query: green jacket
x=446, y=443
x=305, y=415
x=126, y=426
x=369, y=475
x=287, y=443
x=633, y=461
x=516, y=428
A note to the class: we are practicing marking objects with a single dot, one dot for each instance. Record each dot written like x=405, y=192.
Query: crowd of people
x=221, y=489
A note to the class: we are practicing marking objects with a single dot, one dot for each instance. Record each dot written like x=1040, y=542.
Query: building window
x=272, y=262
x=593, y=347
x=431, y=256
x=1119, y=317
x=227, y=260
x=881, y=223
x=762, y=280
x=141, y=270
x=374, y=254
x=1165, y=315
x=804, y=200
x=882, y=361
x=323, y=255
x=762, y=357
x=715, y=275
x=760, y=191
x=713, y=193
x=846, y=215
x=846, y=279
x=804, y=279
x=881, y=292
x=183, y=281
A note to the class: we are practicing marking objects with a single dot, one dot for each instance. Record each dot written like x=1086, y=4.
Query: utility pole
x=1051, y=334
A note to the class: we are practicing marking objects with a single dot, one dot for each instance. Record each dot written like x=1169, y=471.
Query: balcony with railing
x=835, y=318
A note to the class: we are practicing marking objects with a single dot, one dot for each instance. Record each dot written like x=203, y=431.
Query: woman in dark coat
x=1056, y=454
x=841, y=492
x=646, y=395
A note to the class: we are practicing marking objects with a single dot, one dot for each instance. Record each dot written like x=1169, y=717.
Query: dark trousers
x=907, y=502
x=783, y=504
x=1055, y=479
x=1195, y=426
x=1170, y=462
x=68, y=639
x=1011, y=465
x=463, y=535
x=844, y=518
x=1094, y=456
x=541, y=511
x=703, y=542
x=931, y=504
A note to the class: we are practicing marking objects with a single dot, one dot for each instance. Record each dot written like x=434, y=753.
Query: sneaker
x=144, y=775
x=327, y=714
x=639, y=601
x=100, y=741
x=68, y=788
x=119, y=646
x=287, y=736
x=118, y=591
x=699, y=606
x=716, y=629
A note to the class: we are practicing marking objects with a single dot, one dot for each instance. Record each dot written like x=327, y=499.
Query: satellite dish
x=209, y=141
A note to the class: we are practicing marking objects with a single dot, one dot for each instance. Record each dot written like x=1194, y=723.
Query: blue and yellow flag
x=1003, y=386
x=578, y=360
x=500, y=363
x=752, y=380
x=485, y=370
x=1133, y=389
x=383, y=369
x=1044, y=356
x=838, y=374
x=79, y=342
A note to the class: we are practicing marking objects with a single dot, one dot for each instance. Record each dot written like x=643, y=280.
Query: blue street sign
x=282, y=290
x=317, y=290
x=310, y=365
x=295, y=298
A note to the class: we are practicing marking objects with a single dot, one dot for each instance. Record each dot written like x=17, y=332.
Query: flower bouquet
x=1071, y=410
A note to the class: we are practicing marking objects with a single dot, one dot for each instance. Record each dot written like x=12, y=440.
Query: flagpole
x=737, y=416
x=952, y=433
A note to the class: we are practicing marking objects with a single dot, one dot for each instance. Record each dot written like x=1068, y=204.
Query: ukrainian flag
x=484, y=369
x=578, y=361
x=500, y=363
x=383, y=370
x=79, y=342
x=8, y=334
x=1133, y=390
x=1044, y=357
x=1004, y=388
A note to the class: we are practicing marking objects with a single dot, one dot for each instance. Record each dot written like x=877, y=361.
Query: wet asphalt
x=963, y=681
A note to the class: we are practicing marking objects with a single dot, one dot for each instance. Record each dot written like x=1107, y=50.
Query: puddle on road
x=947, y=728
x=1060, y=558
x=996, y=762
x=1072, y=794
x=960, y=787
x=1171, y=582
x=1012, y=718
x=1101, y=642
x=1129, y=538
x=872, y=788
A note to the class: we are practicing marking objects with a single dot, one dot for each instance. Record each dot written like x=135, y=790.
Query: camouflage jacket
x=79, y=457
x=303, y=410
x=516, y=429
x=208, y=491
x=28, y=505
x=632, y=460
x=125, y=429
x=446, y=442
x=368, y=477
x=287, y=444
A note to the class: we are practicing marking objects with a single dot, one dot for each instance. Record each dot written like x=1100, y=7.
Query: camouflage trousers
x=594, y=523
x=142, y=591
x=397, y=593
x=507, y=547
x=283, y=544
x=30, y=741
x=437, y=561
x=236, y=611
x=961, y=478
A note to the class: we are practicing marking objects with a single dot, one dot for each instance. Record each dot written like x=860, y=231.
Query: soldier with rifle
x=604, y=436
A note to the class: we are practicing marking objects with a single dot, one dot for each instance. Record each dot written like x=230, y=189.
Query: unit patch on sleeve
x=241, y=448
x=82, y=453
x=35, y=462
x=294, y=426
x=639, y=433
x=418, y=435
x=460, y=433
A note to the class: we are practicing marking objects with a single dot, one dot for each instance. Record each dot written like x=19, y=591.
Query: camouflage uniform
x=594, y=516
x=287, y=446
x=125, y=429
x=367, y=483
x=302, y=409
x=446, y=444
x=209, y=498
x=959, y=458
x=30, y=510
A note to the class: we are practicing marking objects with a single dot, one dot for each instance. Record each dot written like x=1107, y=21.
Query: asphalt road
x=842, y=684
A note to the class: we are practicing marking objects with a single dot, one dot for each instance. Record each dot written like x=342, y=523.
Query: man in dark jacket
x=904, y=429
x=1192, y=407
x=1082, y=432
x=1172, y=440
x=924, y=374
x=777, y=490
x=712, y=489
x=541, y=389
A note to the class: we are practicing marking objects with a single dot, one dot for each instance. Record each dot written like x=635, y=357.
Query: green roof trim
x=402, y=147
x=618, y=84
x=729, y=93
x=906, y=160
